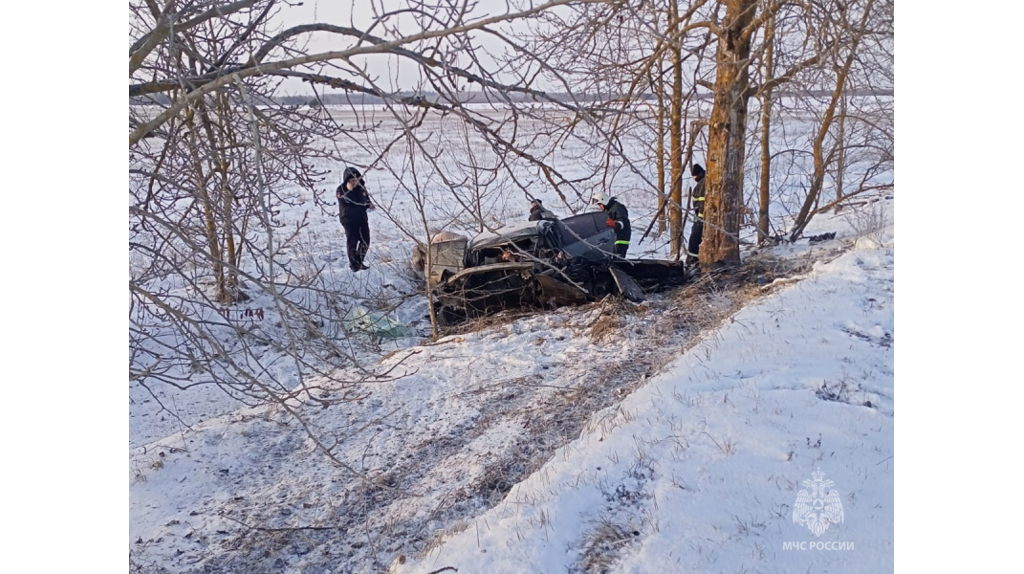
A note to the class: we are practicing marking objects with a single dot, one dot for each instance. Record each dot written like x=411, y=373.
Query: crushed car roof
x=510, y=231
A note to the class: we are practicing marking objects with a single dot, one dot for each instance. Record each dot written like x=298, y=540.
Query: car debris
x=540, y=264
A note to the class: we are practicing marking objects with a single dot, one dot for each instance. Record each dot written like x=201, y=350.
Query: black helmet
x=697, y=170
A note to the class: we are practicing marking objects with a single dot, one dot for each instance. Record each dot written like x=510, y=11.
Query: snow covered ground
x=699, y=470
x=675, y=435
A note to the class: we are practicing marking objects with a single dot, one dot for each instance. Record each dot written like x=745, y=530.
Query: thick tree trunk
x=723, y=207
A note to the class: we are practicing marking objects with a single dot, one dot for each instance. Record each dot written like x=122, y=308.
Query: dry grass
x=604, y=327
x=602, y=548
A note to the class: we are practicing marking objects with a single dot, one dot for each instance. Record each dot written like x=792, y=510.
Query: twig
x=287, y=529
x=716, y=442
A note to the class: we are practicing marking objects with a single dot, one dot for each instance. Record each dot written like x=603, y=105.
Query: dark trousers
x=357, y=234
x=621, y=248
x=696, y=236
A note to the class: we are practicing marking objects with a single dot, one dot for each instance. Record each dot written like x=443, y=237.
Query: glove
x=610, y=222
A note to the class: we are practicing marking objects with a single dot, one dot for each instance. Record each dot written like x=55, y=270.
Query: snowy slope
x=699, y=470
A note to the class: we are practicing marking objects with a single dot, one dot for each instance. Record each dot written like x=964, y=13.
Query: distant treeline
x=471, y=98
x=366, y=99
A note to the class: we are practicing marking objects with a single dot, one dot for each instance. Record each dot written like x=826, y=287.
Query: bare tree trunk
x=841, y=158
x=676, y=135
x=660, y=123
x=726, y=142
x=211, y=229
x=766, y=121
x=223, y=139
x=233, y=253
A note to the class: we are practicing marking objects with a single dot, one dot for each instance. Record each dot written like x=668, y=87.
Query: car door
x=587, y=236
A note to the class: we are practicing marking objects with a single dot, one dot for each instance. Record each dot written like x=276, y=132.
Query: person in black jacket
x=618, y=219
x=697, y=230
x=353, y=202
x=539, y=212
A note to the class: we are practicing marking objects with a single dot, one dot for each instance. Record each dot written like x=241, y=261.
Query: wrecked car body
x=546, y=264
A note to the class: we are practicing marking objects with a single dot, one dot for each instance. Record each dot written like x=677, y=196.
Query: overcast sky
x=360, y=14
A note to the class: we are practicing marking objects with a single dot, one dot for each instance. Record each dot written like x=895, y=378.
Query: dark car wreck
x=539, y=264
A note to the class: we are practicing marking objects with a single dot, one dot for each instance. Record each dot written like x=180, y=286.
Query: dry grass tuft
x=604, y=327
x=602, y=548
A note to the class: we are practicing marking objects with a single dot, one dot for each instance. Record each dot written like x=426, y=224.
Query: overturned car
x=545, y=263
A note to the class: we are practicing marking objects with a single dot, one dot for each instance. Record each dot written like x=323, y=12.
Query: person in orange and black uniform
x=618, y=219
x=353, y=203
x=697, y=230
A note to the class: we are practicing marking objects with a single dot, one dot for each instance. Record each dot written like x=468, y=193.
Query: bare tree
x=764, y=195
x=206, y=186
x=855, y=24
x=825, y=36
x=214, y=156
x=664, y=52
